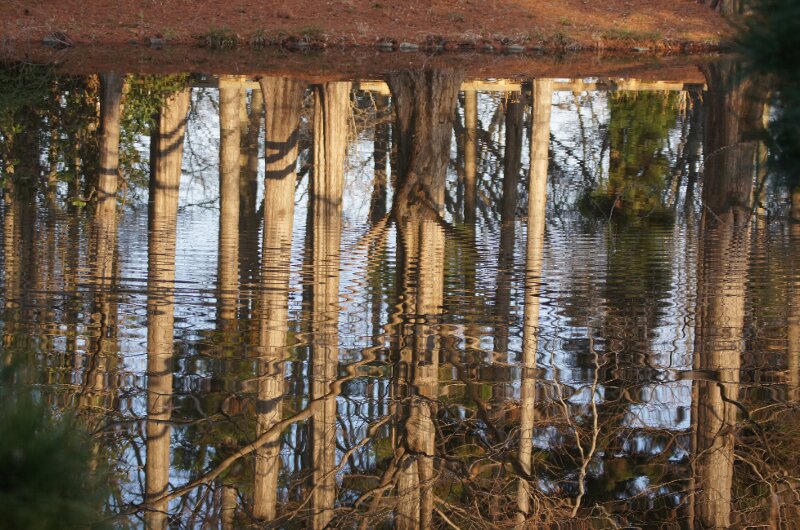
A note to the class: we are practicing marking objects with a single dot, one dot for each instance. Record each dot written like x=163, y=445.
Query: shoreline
x=491, y=27
x=359, y=62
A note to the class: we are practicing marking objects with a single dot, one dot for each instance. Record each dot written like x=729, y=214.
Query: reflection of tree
x=515, y=112
x=13, y=257
x=734, y=115
x=537, y=200
x=104, y=234
x=229, y=175
x=424, y=104
x=166, y=154
x=638, y=127
x=380, y=156
x=248, y=196
x=470, y=155
x=331, y=106
x=283, y=99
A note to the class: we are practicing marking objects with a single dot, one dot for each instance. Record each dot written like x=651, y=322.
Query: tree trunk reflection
x=733, y=116
x=104, y=235
x=424, y=105
x=166, y=155
x=283, y=99
x=228, y=249
x=537, y=201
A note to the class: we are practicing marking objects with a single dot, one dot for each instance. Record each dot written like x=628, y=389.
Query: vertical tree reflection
x=166, y=155
x=331, y=105
x=470, y=156
x=424, y=104
x=229, y=202
x=501, y=388
x=104, y=233
x=537, y=200
x=734, y=115
x=283, y=99
x=248, y=197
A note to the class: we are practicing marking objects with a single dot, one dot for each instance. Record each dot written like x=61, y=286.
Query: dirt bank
x=675, y=26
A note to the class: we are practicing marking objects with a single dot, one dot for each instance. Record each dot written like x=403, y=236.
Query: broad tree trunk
x=166, y=156
x=331, y=105
x=542, y=94
x=424, y=104
x=283, y=100
x=228, y=508
x=733, y=118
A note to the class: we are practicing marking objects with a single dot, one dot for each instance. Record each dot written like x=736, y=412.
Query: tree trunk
x=424, y=104
x=283, y=100
x=249, y=225
x=228, y=250
x=733, y=117
x=380, y=157
x=542, y=94
x=734, y=110
x=110, y=110
x=726, y=7
x=501, y=388
x=331, y=106
x=166, y=156
x=470, y=156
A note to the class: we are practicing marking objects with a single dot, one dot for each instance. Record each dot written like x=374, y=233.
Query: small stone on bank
x=408, y=47
x=298, y=45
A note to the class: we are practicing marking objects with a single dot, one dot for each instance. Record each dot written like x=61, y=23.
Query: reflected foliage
x=638, y=162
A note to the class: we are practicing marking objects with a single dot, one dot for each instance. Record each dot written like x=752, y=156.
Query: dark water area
x=415, y=302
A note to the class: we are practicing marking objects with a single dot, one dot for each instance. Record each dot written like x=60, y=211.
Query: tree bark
x=542, y=94
x=166, y=155
x=733, y=117
x=229, y=174
x=424, y=104
x=331, y=105
x=470, y=156
x=283, y=100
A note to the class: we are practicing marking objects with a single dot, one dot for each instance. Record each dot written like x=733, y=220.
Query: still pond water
x=410, y=302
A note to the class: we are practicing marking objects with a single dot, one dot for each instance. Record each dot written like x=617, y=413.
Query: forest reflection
x=430, y=301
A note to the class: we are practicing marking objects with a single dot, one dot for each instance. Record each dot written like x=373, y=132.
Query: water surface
x=409, y=302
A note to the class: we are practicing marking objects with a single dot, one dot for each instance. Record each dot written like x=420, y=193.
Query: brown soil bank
x=677, y=25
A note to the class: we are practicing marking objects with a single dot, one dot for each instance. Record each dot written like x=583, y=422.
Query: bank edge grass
x=220, y=39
